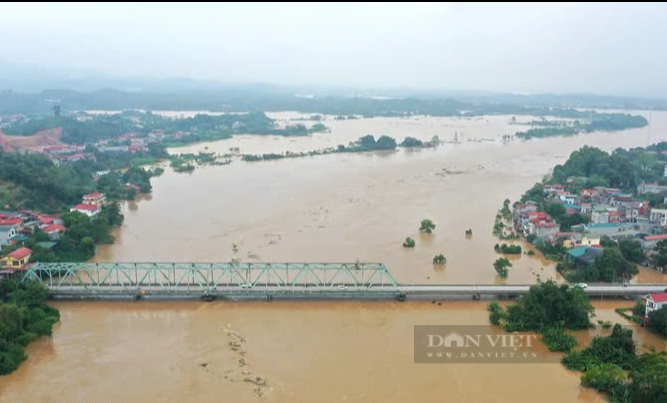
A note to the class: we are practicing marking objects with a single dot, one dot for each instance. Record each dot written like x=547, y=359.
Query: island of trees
x=592, y=123
x=610, y=364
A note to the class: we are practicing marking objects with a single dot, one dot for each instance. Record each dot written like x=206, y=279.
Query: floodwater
x=338, y=207
x=344, y=207
x=274, y=352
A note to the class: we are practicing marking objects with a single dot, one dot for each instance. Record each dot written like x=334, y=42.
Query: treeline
x=597, y=122
x=222, y=98
x=363, y=144
x=23, y=318
x=201, y=127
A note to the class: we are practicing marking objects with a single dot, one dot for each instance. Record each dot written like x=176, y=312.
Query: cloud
x=602, y=48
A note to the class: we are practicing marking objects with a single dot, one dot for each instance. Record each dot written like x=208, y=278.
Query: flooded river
x=339, y=207
x=273, y=352
x=344, y=207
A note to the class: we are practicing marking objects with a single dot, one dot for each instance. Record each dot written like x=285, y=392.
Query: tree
x=427, y=226
x=386, y=143
x=439, y=259
x=661, y=248
x=549, y=304
x=23, y=318
x=411, y=142
x=649, y=378
x=501, y=265
x=612, y=266
x=409, y=243
x=618, y=348
x=657, y=321
x=56, y=110
x=631, y=250
x=556, y=211
x=607, y=242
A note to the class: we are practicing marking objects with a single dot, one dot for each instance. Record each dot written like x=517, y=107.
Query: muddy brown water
x=339, y=207
x=273, y=352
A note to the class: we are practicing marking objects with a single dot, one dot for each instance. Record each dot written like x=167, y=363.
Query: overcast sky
x=602, y=48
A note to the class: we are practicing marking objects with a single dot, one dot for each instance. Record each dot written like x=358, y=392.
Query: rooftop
x=576, y=252
x=54, y=228
x=46, y=245
x=86, y=207
x=655, y=237
x=20, y=253
x=94, y=195
x=659, y=297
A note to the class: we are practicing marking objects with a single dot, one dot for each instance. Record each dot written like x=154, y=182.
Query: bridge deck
x=271, y=280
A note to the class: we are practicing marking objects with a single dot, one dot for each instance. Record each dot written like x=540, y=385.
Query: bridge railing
x=207, y=277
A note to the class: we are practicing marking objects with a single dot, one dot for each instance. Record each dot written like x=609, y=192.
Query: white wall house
x=655, y=302
x=87, y=209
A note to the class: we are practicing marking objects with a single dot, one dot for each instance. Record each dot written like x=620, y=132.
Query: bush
x=556, y=339
x=639, y=309
x=618, y=348
x=427, y=226
x=530, y=252
x=409, y=243
x=605, y=324
x=531, y=238
x=605, y=378
x=508, y=249
x=496, y=313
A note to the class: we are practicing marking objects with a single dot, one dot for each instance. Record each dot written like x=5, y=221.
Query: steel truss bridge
x=270, y=280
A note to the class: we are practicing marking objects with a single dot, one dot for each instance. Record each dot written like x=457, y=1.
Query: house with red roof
x=650, y=241
x=45, y=221
x=87, y=209
x=54, y=231
x=655, y=302
x=17, y=259
x=95, y=198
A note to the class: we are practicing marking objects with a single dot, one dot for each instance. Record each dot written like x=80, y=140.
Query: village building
x=17, y=259
x=658, y=216
x=7, y=232
x=654, y=188
x=87, y=209
x=655, y=302
x=95, y=198
x=600, y=215
x=54, y=231
x=650, y=241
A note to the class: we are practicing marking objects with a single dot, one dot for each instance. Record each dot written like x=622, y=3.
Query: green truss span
x=211, y=278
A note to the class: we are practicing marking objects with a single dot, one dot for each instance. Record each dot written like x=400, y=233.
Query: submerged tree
x=439, y=259
x=502, y=266
x=427, y=226
x=409, y=243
